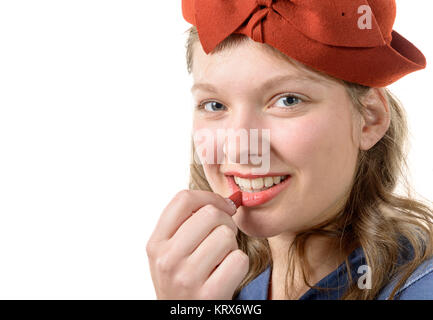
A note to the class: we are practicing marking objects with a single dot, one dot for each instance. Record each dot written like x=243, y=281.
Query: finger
x=184, y=204
x=198, y=227
x=212, y=251
x=229, y=274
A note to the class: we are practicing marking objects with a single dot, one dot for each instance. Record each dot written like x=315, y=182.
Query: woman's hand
x=193, y=252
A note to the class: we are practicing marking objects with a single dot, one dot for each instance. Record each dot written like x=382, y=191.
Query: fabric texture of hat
x=352, y=40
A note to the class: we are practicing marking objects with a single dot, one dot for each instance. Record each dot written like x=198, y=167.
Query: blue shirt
x=418, y=286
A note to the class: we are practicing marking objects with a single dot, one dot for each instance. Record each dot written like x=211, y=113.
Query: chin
x=254, y=228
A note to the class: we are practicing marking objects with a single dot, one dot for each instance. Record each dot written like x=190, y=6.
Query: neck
x=321, y=254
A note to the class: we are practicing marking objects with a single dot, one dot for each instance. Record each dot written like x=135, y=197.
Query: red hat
x=351, y=40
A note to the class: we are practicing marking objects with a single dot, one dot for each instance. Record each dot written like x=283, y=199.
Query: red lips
x=251, y=199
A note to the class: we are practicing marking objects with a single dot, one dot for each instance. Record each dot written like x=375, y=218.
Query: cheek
x=208, y=153
x=206, y=144
x=319, y=148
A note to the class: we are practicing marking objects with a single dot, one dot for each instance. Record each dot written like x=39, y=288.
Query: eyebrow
x=265, y=86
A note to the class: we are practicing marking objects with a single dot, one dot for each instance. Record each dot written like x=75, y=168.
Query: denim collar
x=337, y=281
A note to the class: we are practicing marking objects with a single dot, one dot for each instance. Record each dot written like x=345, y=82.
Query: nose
x=245, y=137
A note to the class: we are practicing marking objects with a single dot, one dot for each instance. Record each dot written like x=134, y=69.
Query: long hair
x=374, y=216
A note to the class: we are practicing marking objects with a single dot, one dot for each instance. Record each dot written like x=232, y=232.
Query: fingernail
x=230, y=202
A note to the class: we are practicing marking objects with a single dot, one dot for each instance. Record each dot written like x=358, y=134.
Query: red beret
x=351, y=40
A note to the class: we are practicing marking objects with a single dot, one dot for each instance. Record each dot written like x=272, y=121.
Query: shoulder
x=419, y=286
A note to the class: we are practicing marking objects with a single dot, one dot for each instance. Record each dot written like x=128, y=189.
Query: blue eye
x=290, y=100
x=213, y=106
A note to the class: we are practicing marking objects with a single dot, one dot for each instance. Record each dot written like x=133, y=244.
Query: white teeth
x=277, y=179
x=269, y=181
x=258, y=184
x=246, y=183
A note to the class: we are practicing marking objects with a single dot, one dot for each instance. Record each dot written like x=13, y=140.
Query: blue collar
x=336, y=281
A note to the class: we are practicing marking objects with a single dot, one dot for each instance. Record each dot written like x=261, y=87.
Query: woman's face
x=314, y=135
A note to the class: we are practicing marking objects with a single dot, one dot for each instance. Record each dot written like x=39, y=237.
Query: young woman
x=324, y=222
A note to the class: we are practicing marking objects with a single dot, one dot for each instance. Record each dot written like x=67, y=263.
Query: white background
x=95, y=117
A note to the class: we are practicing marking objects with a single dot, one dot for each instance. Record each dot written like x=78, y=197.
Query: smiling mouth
x=258, y=184
x=258, y=191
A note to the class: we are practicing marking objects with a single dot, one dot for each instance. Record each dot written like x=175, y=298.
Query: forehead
x=249, y=61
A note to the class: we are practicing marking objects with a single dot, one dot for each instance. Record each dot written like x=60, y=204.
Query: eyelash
x=200, y=105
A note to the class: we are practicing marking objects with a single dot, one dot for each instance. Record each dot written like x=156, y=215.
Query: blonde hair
x=373, y=216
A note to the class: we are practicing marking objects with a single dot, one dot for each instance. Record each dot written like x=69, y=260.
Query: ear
x=376, y=118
